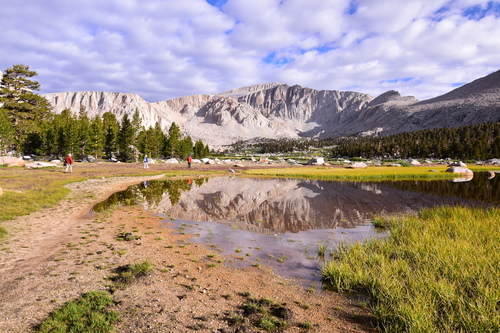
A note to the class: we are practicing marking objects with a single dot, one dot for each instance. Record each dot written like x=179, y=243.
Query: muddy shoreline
x=56, y=254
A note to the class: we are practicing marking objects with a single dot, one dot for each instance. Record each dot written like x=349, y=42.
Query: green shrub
x=87, y=314
x=129, y=273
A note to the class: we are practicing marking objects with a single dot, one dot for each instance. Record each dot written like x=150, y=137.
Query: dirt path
x=56, y=254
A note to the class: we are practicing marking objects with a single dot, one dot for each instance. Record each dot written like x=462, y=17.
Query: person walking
x=190, y=160
x=69, y=163
x=146, y=162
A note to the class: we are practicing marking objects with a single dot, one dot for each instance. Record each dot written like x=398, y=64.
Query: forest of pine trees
x=108, y=138
x=28, y=126
x=474, y=142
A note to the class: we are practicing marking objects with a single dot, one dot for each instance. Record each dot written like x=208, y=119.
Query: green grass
x=128, y=274
x=372, y=173
x=436, y=272
x=3, y=232
x=267, y=314
x=87, y=314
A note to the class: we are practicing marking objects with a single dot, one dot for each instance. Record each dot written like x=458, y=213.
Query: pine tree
x=96, y=137
x=67, y=132
x=172, y=143
x=7, y=133
x=185, y=147
x=23, y=107
x=83, y=132
x=198, y=149
x=125, y=140
x=111, y=130
x=136, y=125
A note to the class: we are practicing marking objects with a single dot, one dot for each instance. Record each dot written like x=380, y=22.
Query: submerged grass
x=376, y=173
x=436, y=272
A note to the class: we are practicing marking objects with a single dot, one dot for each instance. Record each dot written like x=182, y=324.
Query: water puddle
x=284, y=222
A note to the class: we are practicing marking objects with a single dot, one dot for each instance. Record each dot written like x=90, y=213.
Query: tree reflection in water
x=152, y=192
x=294, y=205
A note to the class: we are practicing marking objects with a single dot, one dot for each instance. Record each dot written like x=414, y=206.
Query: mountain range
x=276, y=110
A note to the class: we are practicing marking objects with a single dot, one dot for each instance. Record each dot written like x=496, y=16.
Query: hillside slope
x=276, y=110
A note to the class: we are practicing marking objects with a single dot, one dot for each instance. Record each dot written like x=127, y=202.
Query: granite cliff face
x=276, y=110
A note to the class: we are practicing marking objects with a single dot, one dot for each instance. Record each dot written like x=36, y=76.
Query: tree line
x=473, y=142
x=27, y=125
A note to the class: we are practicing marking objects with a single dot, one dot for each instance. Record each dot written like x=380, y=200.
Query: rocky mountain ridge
x=276, y=110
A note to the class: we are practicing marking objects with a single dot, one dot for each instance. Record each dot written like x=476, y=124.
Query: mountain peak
x=235, y=93
x=485, y=88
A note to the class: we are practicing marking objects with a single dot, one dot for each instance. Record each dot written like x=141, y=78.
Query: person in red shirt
x=69, y=163
x=190, y=160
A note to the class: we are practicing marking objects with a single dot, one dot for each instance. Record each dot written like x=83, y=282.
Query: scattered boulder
x=394, y=165
x=316, y=161
x=413, y=162
x=11, y=161
x=458, y=164
x=490, y=175
x=359, y=165
x=460, y=170
x=172, y=161
x=36, y=165
x=493, y=161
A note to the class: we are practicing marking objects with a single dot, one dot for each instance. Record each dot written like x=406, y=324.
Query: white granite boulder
x=460, y=170
x=11, y=161
x=359, y=165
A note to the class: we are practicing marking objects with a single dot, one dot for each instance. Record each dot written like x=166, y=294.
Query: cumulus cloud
x=166, y=49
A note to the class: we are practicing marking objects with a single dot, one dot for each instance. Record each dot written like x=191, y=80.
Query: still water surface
x=281, y=222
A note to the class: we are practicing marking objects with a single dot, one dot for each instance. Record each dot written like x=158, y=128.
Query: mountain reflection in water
x=294, y=205
x=287, y=219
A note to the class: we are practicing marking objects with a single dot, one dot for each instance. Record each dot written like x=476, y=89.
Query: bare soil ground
x=54, y=255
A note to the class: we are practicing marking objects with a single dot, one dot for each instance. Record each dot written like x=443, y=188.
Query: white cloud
x=165, y=49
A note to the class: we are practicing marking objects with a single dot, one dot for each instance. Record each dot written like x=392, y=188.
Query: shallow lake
x=282, y=222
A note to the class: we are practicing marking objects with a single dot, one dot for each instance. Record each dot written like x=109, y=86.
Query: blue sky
x=162, y=49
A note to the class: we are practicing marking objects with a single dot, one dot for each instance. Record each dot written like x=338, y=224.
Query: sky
x=162, y=49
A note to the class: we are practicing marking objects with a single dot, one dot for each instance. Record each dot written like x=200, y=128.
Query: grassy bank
x=436, y=272
x=374, y=173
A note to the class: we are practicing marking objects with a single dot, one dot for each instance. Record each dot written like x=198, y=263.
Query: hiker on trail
x=69, y=163
x=190, y=160
x=146, y=162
